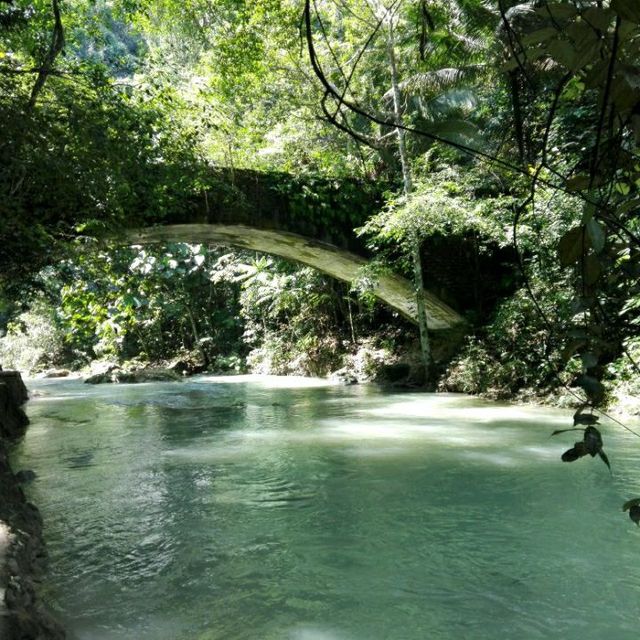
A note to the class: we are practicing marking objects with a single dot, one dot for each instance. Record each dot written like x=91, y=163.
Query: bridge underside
x=393, y=290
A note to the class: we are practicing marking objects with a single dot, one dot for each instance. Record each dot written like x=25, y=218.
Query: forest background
x=502, y=136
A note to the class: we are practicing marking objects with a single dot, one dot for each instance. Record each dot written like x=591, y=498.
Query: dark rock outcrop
x=22, y=552
x=344, y=376
x=13, y=394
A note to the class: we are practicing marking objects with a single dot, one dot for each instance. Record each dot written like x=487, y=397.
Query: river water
x=269, y=508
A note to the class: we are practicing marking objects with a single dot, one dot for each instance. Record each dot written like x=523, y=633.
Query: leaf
x=592, y=441
x=627, y=31
x=596, y=235
x=596, y=76
x=632, y=77
x=586, y=44
x=540, y=35
x=585, y=418
x=577, y=451
x=557, y=431
x=605, y=459
x=622, y=188
x=571, y=246
x=624, y=96
x=599, y=17
x=563, y=52
x=629, y=205
x=588, y=212
x=586, y=54
x=579, y=182
x=591, y=269
x=627, y=9
x=579, y=31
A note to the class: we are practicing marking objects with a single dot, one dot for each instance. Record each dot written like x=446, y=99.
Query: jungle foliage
x=513, y=126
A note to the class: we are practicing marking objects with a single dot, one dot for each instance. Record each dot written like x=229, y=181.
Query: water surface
x=270, y=509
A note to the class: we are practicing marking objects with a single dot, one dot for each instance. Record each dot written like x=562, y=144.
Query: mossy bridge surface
x=307, y=220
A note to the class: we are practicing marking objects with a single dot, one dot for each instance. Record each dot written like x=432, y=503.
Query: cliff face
x=22, y=552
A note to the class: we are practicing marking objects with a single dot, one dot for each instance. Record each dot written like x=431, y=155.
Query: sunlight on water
x=291, y=509
x=268, y=382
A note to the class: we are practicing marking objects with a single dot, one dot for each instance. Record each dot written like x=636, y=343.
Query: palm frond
x=438, y=80
x=431, y=84
x=455, y=102
x=458, y=130
x=469, y=43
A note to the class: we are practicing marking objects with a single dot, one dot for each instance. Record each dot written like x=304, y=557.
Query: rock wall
x=22, y=552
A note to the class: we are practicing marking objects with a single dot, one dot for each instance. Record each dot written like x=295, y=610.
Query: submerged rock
x=25, y=476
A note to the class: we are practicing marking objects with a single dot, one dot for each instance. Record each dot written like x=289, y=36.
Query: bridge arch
x=391, y=289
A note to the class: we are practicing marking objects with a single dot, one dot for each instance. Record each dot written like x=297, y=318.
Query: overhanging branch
x=55, y=47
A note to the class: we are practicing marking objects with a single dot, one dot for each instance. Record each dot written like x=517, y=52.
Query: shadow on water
x=79, y=459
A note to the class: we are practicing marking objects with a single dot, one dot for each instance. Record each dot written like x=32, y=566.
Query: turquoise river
x=288, y=509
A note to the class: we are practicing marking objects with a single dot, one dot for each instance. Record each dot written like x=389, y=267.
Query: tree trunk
x=418, y=280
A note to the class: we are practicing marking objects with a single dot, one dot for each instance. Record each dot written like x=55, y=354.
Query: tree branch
x=55, y=47
x=605, y=101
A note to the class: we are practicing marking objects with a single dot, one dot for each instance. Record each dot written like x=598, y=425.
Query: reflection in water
x=252, y=508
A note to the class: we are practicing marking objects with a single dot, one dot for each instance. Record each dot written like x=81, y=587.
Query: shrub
x=34, y=341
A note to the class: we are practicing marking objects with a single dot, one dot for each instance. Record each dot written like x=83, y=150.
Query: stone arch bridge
x=309, y=221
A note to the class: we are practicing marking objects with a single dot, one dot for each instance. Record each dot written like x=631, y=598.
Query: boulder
x=344, y=376
x=117, y=375
x=56, y=373
x=401, y=375
x=16, y=386
x=22, y=552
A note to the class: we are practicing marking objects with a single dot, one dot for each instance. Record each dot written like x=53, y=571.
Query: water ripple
x=252, y=510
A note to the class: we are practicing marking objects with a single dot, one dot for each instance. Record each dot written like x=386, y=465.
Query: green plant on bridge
x=444, y=203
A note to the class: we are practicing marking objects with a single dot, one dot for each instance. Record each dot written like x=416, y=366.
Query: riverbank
x=368, y=361
x=22, y=550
